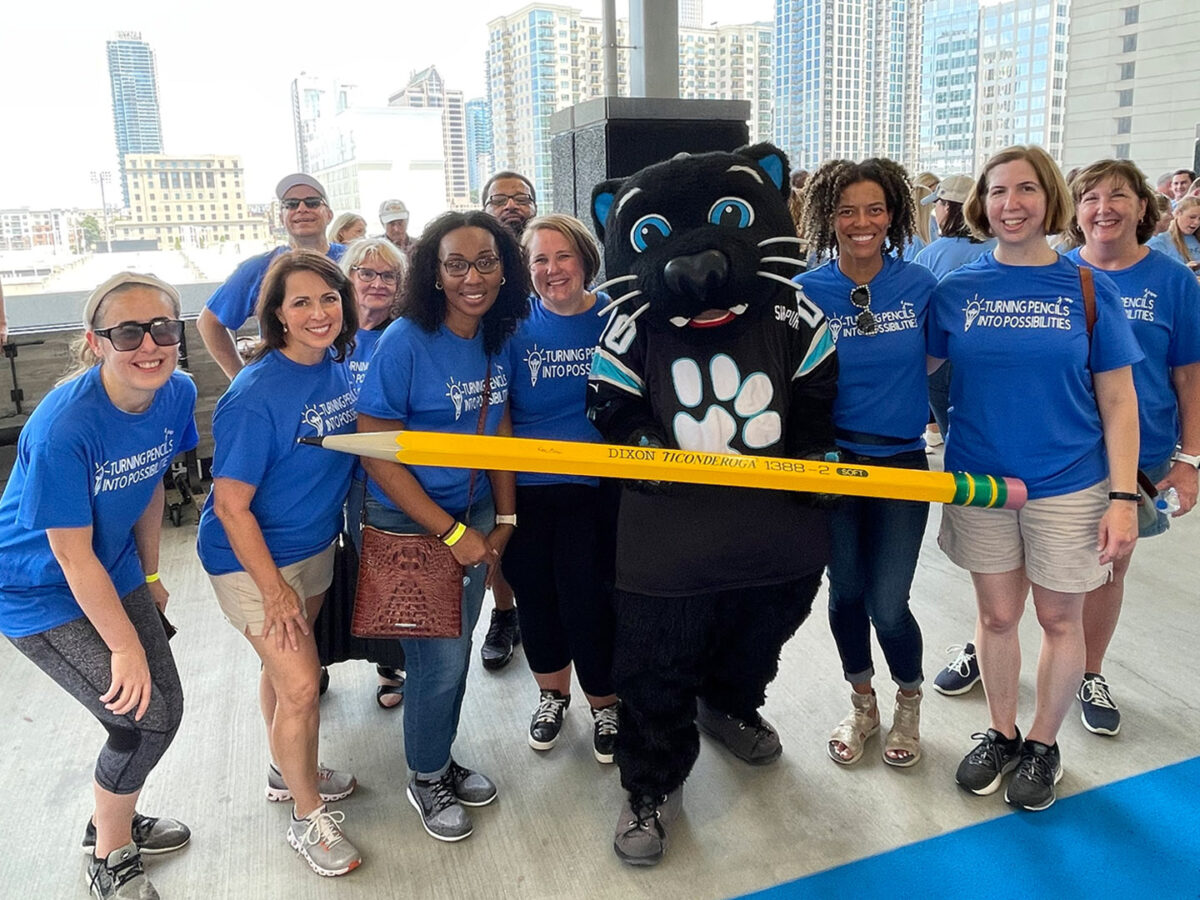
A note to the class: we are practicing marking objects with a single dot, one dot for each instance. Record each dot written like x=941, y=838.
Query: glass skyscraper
x=134, y=78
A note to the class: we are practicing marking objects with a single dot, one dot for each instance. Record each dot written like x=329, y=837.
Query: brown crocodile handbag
x=410, y=585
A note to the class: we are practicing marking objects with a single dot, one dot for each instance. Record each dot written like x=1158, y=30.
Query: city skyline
x=224, y=79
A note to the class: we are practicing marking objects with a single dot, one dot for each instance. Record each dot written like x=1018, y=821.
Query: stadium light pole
x=101, y=178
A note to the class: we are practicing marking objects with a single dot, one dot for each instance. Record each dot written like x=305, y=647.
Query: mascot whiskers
x=709, y=347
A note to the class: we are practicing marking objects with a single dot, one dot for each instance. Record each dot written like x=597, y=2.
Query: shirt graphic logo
x=1140, y=309
x=972, y=312
x=902, y=319
x=749, y=399
x=326, y=416
x=116, y=474
x=467, y=396
x=533, y=359
x=1053, y=313
x=313, y=417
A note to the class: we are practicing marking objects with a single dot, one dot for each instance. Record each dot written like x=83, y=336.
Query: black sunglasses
x=129, y=335
x=861, y=298
x=309, y=203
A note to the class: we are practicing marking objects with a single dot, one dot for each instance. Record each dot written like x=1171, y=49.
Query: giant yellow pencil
x=472, y=451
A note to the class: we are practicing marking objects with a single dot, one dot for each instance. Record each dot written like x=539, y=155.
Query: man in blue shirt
x=305, y=214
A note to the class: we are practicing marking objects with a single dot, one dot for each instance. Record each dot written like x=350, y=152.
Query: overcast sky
x=224, y=74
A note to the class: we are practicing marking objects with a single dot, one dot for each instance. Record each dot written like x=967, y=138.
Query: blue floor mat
x=1137, y=838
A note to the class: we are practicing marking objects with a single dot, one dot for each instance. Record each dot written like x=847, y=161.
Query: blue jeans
x=874, y=557
x=437, y=667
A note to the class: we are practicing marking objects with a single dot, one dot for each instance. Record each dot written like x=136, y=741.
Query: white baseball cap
x=295, y=180
x=392, y=211
x=953, y=188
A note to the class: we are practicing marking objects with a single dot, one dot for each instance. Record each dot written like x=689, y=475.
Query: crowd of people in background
x=1044, y=328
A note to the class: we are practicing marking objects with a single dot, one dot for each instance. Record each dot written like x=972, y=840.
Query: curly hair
x=424, y=302
x=824, y=191
x=1121, y=171
x=273, y=293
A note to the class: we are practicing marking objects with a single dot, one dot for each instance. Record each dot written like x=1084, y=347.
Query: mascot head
x=699, y=241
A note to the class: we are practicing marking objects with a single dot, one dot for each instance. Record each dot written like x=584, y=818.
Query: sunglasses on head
x=861, y=298
x=309, y=203
x=129, y=335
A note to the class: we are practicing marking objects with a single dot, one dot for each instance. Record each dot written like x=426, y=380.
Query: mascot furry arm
x=697, y=250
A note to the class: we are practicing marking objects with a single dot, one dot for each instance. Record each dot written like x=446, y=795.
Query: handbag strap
x=1088, y=287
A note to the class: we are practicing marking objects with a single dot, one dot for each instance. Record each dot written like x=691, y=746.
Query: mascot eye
x=732, y=212
x=648, y=231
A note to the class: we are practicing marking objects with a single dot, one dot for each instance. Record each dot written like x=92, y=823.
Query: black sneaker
x=503, y=634
x=1032, y=788
x=982, y=770
x=547, y=720
x=151, y=835
x=1098, y=710
x=604, y=732
x=120, y=876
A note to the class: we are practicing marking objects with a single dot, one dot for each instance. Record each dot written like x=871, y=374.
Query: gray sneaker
x=441, y=810
x=319, y=840
x=641, y=836
x=119, y=876
x=756, y=744
x=470, y=787
x=151, y=835
x=331, y=784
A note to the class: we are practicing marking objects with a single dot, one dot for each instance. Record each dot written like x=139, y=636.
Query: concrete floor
x=549, y=835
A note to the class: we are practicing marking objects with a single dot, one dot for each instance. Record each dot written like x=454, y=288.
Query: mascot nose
x=697, y=275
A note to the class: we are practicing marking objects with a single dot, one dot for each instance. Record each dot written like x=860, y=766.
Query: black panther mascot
x=710, y=347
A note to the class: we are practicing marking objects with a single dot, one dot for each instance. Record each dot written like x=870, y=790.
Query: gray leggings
x=76, y=657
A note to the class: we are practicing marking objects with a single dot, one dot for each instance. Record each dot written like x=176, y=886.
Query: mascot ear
x=772, y=161
x=603, y=196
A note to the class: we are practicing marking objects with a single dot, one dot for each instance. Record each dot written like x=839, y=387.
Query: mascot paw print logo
x=740, y=403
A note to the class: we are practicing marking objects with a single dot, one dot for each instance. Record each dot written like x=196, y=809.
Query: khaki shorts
x=242, y=603
x=1052, y=538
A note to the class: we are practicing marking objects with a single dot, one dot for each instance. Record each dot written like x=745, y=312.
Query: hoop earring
x=503, y=280
x=438, y=285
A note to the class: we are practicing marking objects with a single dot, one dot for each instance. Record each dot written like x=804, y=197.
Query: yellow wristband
x=151, y=578
x=455, y=534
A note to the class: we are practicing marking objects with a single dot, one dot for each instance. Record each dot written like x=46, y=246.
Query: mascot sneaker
x=641, y=838
x=757, y=745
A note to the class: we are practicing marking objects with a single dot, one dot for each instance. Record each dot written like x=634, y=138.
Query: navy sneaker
x=1032, y=788
x=1098, y=710
x=961, y=673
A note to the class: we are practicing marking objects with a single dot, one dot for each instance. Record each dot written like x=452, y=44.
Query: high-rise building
x=187, y=200
x=949, y=73
x=1022, y=76
x=545, y=57
x=315, y=98
x=25, y=229
x=847, y=82
x=1131, y=84
x=427, y=90
x=134, y=79
x=479, y=146
x=691, y=13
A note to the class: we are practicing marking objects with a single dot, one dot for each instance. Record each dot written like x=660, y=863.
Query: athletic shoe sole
x=90, y=849
x=281, y=795
x=1082, y=718
x=994, y=785
x=957, y=691
x=449, y=839
x=542, y=745
x=604, y=758
x=638, y=860
x=328, y=873
x=1049, y=803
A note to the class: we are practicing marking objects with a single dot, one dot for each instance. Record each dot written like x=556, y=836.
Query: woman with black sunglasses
x=876, y=305
x=80, y=593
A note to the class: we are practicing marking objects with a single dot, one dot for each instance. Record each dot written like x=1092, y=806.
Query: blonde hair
x=383, y=249
x=921, y=215
x=1059, y=208
x=341, y=223
x=577, y=236
x=1173, y=229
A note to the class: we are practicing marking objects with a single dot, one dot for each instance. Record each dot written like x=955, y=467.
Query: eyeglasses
x=485, y=265
x=371, y=274
x=129, y=335
x=861, y=298
x=502, y=199
x=309, y=203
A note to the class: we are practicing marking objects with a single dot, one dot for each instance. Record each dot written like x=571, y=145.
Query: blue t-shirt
x=911, y=249
x=882, y=386
x=434, y=382
x=550, y=357
x=359, y=359
x=82, y=461
x=233, y=302
x=1162, y=303
x=946, y=254
x=1163, y=244
x=299, y=489
x=1021, y=400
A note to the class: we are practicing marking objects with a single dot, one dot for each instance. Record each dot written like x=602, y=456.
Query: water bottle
x=1167, y=501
